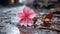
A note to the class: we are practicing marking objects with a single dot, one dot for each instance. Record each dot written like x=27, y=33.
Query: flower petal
x=29, y=13
x=30, y=22
x=20, y=15
x=22, y=22
x=26, y=10
x=32, y=15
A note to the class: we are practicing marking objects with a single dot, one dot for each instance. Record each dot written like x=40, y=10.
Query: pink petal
x=22, y=22
x=30, y=22
x=32, y=15
x=26, y=10
x=29, y=13
x=20, y=15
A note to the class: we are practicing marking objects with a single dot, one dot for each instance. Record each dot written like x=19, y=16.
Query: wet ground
x=23, y=29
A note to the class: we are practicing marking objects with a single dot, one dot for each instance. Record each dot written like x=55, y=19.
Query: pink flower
x=26, y=16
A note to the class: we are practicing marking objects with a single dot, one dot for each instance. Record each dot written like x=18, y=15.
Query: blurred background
x=8, y=8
